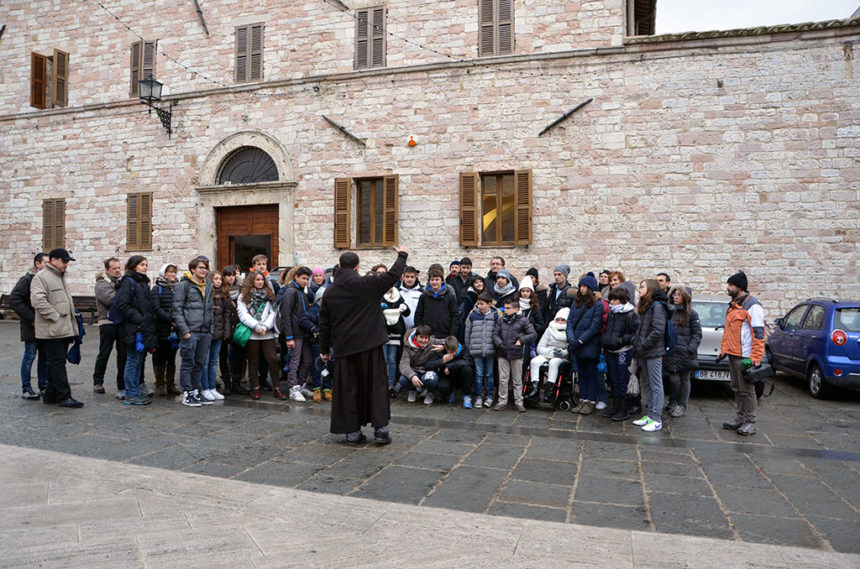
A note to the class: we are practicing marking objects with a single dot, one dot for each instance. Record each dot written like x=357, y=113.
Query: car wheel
x=818, y=388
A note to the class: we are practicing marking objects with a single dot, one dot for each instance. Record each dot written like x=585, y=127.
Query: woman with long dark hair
x=584, y=324
x=256, y=308
x=137, y=329
x=649, y=347
x=221, y=331
x=683, y=359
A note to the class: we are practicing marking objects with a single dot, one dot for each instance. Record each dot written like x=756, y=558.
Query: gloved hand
x=138, y=342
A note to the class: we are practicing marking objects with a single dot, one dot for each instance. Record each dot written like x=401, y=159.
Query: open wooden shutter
x=59, y=223
x=47, y=224
x=377, y=32
x=362, y=39
x=255, y=72
x=145, y=221
x=132, y=232
x=389, y=210
x=241, y=54
x=342, y=190
x=148, y=65
x=505, y=26
x=486, y=43
x=38, y=80
x=60, y=79
x=469, y=226
x=523, y=214
x=134, y=78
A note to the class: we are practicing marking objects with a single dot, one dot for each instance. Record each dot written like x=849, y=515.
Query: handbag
x=241, y=335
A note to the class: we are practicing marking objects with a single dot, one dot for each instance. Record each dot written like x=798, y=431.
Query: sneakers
x=278, y=394
x=214, y=393
x=520, y=408
x=137, y=400
x=678, y=411
x=307, y=393
x=255, y=394
x=428, y=398
x=199, y=398
x=72, y=403
x=652, y=426
x=500, y=407
x=412, y=397
x=327, y=394
x=296, y=394
x=452, y=397
x=488, y=402
x=467, y=402
x=600, y=406
x=207, y=395
x=746, y=430
x=733, y=426
x=98, y=388
x=641, y=422
x=478, y=402
x=146, y=391
x=120, y=394
x=587, y=408
x=317, y=396
x=31, y=395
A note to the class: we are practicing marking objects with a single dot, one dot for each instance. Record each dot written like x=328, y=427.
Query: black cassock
x=353, y=327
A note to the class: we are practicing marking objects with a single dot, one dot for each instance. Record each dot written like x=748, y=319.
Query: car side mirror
x=778, y=322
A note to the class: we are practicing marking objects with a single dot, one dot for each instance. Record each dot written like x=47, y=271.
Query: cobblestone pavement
x=794, y=483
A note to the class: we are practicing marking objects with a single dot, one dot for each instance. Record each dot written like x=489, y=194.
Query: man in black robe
x=352, y=331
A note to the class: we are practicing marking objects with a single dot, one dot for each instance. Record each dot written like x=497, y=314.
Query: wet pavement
x=794, y=483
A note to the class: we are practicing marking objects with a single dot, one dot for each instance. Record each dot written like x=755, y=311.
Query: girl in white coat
x=552, y=348
x=256, y=308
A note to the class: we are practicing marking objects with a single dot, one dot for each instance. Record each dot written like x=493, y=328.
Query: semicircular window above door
x=248, y=165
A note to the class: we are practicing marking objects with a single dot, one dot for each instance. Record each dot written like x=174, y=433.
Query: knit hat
x=589, y=281
x=527, y=283
x=739, y=279
x=532, y=272
x=562, y=313
x=319, y=293
x=563, y=269
x=454, y=262
x=435, y=270
x=318, y=271
x=504, y=273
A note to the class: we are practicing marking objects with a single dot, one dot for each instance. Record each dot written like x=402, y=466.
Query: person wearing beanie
x=461, y=283
x=540, y=289
x=317, y=281
x=557, y=289
x=437, y=306
x=503, y=289
x=530, y=308
x=743, y=338
x=584, y=325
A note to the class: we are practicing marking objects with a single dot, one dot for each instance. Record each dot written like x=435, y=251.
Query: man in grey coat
x=105, y=290
x=193, y=315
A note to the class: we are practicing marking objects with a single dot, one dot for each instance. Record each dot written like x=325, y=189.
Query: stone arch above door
x=254, y=138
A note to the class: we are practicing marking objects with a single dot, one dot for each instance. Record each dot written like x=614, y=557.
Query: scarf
x=508, y=318
x=391, y=296
x=202, y=286
x=525, y=304
x=502, y=291
x=620, y=308
x=163, y=282
x=558, y=332
x=259, y=298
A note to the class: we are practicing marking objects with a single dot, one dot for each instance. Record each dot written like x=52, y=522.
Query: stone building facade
x=698, y=154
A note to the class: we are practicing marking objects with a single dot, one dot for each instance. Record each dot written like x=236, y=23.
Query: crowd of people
x=457, y=337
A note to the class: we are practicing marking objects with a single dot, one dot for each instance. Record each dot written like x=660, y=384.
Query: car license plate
x=712, y=375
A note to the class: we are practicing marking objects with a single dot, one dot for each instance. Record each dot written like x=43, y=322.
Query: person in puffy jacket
x=584, y=324
x=480, y=325
x=395, y=309
x=309, y=321
x=617, y=342
x=437, y=306
x=454, y=368
x=649, y=349
x=511, y=333
x=222, y=309
x=105, y=290
x=418, y=349
x=504, y=288
x=192, y=315
x=681, y=361
x=257, y=311
x=19, y=301
x=551, y=349
x=164, y=358
x=138, y=325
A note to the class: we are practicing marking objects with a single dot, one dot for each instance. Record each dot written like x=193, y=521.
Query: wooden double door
x=246, y=231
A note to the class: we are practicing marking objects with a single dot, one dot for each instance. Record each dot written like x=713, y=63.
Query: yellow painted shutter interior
x=60, y=79
x=38, y=80
x=362, y=39
x=486, y=45
x=145, y=221
x=505, y=27
x=47, y=224
x=389, y=210
x=341, y=212
x=523, y=215
x=134, y=78
x=377, y=32
x=132, y=222
x=469, y=209
x=242, y=54
x=256, y=53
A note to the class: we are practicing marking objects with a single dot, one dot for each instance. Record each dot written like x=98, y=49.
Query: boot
x=587, y=408
x=238, y=388
x=623, y=412
x=578, y=408
x=228, y=384
x=612, y=410
x=531, y=391
x=170, y=381
x=160, y=385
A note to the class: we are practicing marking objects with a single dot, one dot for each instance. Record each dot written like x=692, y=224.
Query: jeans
x=108, y=339
x=587, y=378
x=484, y=375
x=653, y=373
x=428, y=378
x=31, y=349
x=194, y=352
x=619, y=372
x=134, y=361
x=212, y=364
x=390, y=353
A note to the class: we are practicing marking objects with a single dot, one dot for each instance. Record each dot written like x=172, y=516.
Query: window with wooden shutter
x=142, y=64
x=342, y=191
x=469, y=209
x=496, y=27
x=370, y=38
x=38, y=80
x=139, y=222
x=249, y=53
x=60, y=79
x=53, y=224
x=389, y=210
x=523, y=214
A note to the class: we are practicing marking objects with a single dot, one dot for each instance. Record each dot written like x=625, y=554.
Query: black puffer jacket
x=19, y=301
x=648, y=339
x=506, y=334
x=162, y=304
x=135, y=304
x=684, y=357
x=222, y=315
x=620, y=327
x=439, y=311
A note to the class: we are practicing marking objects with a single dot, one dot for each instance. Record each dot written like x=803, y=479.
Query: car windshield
x=848, y=319
x=711, y=314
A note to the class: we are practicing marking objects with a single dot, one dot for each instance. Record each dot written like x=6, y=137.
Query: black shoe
x=239, y=389
x=70, y=403
x=732, y=426
x=30, y=395
x=265, y=386
x=382, y=437
x=98, y=388
x=391, y=393
x=360, y=440
x=532, y=392
x=611, y=411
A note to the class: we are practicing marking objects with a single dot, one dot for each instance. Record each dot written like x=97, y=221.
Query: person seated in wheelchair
x=551, y=350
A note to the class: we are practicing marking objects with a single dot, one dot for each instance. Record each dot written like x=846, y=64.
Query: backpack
x=114, y=315
x=670, y=336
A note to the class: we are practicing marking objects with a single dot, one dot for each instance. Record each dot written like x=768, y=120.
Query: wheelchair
x=558, y=395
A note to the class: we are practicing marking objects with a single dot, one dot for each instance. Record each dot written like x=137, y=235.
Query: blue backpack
x=114, y=315
x=670, y=336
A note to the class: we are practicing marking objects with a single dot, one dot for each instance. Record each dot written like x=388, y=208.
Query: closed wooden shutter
x=389, y=211
x=38, y=80
x=134, y=76
x=145, y=223
x=370, y=38
x=255, y=50
x=132, y=227
x=496, y=23
x=148, y=68
x=142, y=64
x=342, y=190
x=53, y=224
x=60, y=79
x=505, y=27
x=486, y=44
x=139, y=222
x=377, y=52
x=523, y=214
x=362, y=39
x=469, y=209
x=241, y=54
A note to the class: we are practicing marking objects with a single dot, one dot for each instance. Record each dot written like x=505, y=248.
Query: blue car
x=819, y=339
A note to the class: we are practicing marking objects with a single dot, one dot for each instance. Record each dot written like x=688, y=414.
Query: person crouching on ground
x=417, y=351
x=454, y=369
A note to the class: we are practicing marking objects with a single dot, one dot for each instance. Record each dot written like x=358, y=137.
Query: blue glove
x=138, y=342
x=173, y=339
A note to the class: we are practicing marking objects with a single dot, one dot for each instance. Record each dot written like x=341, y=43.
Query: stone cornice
x=237, y=188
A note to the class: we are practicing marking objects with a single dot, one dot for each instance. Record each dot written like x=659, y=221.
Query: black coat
x=620, y=328
x=549, y=308
x=135, y=304
x=162, y=305
x=19, y=301
x=685, y=354
x=648, y=339
x=222, y=315
x=439, y=311
x=351, y=318
x=583, y=331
